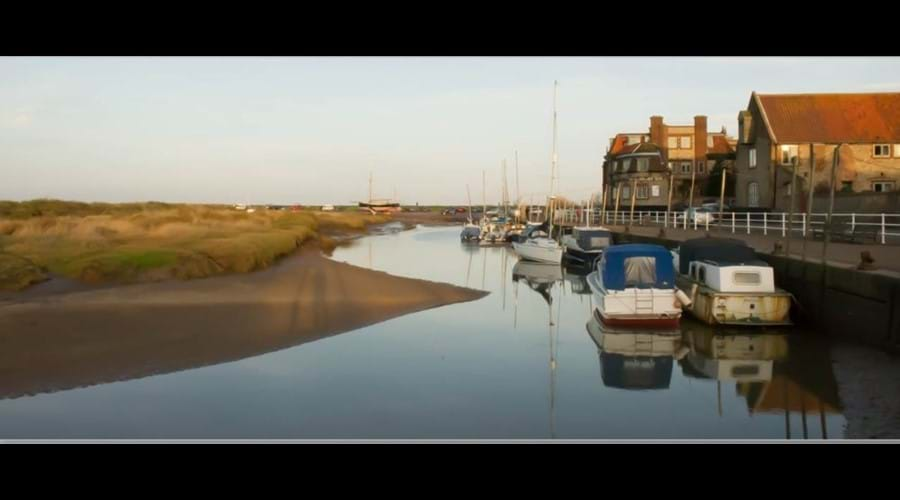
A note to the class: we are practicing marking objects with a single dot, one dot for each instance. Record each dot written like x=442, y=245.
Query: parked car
x=328, y=208
x=702, y=215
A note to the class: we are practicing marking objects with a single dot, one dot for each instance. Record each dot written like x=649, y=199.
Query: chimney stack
x=700, y=147
x=658, y=135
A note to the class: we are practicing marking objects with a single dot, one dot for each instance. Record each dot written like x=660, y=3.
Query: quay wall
x=862, y=306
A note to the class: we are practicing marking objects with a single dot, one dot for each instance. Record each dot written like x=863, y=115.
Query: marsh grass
x=123, y=243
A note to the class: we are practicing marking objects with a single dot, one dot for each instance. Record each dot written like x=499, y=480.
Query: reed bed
x=135, y=242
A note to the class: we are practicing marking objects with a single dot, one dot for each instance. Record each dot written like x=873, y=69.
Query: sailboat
x=544, y=248
x=470, y=231
x=378, y=206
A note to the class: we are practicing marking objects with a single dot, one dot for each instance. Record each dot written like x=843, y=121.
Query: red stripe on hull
x=642, y=322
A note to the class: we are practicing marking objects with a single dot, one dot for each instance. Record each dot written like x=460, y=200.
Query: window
x=847, y=186
x=655, y=190
x=788, y=152
x=643, y=191
x=671, y=165
x=746, y=278
x=896, y=150
x=883, y=186
x=643, y=164
x=753, y=194
x=686, y=142
x=640, y=272
x=685, y=167
x=673, y=143
x=881, y=151
x=752, y=157
x=623, y=167
x=700, y=166
x=626, y=192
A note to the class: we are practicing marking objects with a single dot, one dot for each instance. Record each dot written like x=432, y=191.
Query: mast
x=483, y=195
x=469, y=195
x=505, y=192
x=370, y=187
x=553, y=169
x=518, y=201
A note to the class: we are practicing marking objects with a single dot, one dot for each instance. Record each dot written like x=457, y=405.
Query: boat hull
x=736, y=308
x=549, y=254
x=582, y=256
x=623, y=308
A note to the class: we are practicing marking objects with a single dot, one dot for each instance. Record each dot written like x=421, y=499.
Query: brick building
x=648, y=159
x=777, y=127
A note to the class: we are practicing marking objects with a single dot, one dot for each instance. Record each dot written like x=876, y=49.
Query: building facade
x=775, y=129
x=687, y=153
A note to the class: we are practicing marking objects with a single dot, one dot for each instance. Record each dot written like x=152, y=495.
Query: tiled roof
x=832, y=118
x=720, y=146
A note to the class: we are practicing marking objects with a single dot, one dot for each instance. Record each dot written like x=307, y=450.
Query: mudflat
x=64, y=341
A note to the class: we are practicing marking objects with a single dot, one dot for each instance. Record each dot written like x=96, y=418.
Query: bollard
x=866, y=262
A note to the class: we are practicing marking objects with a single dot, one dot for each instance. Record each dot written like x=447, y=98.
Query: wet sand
x=63, y=341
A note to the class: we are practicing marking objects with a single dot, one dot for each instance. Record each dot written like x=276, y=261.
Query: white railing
x=881, y=228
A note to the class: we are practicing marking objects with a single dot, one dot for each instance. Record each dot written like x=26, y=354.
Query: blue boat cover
x=612, y=266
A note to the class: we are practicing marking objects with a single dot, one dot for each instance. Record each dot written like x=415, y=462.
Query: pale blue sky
x=309, y=130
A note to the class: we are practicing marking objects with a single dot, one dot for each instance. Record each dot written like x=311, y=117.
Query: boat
x=635, y=359
x=470, y=232
x=586, y=244
x=539, y=249
x=380, y=205
x=633, y=285
x=534, y=246
x=728, y=284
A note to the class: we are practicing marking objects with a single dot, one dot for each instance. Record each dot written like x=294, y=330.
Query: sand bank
x=70, y=340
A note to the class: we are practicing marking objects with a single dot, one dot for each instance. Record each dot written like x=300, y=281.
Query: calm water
x=519, y=363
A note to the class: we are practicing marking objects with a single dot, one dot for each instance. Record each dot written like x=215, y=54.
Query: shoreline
x=91, y=337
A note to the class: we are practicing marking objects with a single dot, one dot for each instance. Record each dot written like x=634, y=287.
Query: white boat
x=728, y=284
x=539, y=249
x=534, y=246
x=586, y=244
x=634, y=286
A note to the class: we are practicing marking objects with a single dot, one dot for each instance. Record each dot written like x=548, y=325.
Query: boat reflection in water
x=539, y=276
x=542, y=277
x=774, y=373
x=635, y=359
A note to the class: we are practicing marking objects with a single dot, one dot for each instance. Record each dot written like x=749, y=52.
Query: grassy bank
x=126, y=243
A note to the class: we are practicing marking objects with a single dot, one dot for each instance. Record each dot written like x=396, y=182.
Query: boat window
x=640, y=271
x=745, y=278
x=702, y=274
x=745, y=370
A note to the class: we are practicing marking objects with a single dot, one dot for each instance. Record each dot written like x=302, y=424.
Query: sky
x=306, y=130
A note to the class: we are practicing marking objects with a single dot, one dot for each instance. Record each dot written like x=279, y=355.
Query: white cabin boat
x=536, y=244
x=728, y=284
x=634, y=286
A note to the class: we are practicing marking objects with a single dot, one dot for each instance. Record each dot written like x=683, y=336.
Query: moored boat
x=539, y=249
x=728, y=284
x=586, y=244
x=634, y=286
